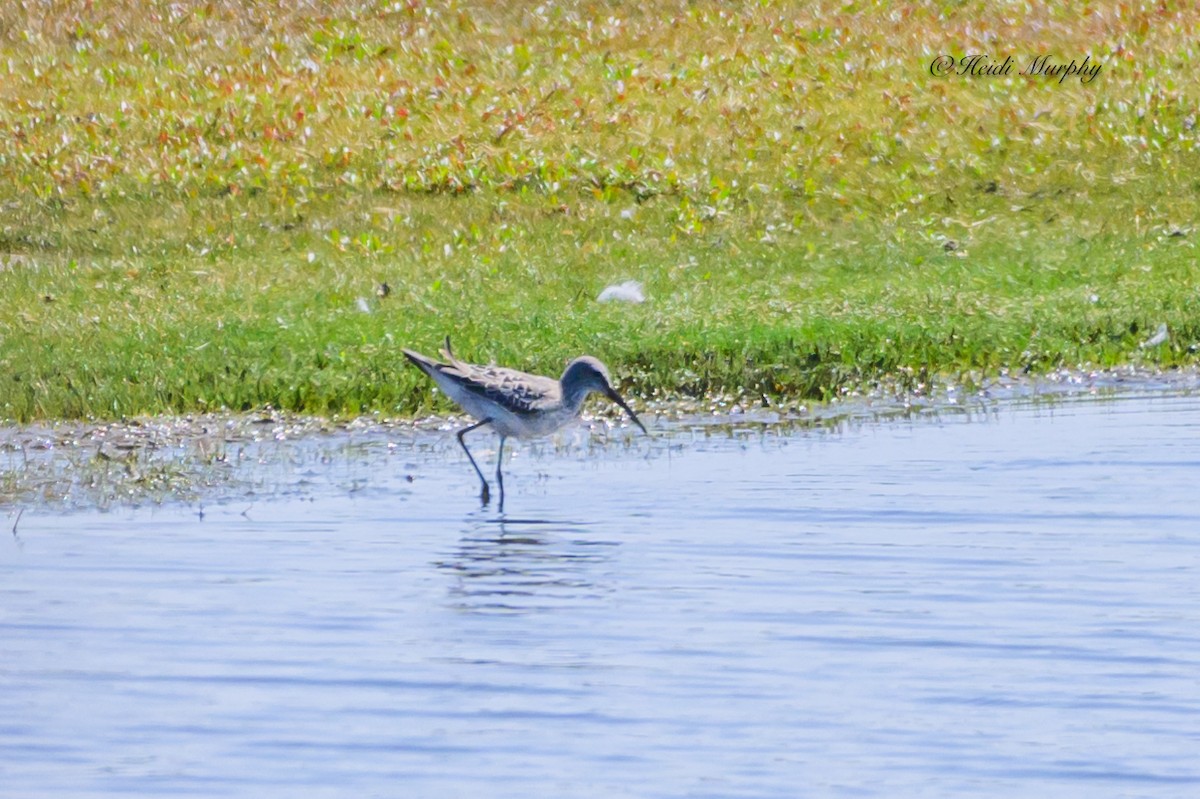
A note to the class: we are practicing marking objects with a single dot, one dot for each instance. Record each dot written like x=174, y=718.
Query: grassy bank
x=200, y=200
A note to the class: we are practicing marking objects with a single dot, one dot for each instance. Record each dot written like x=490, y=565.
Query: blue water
x=998, y=603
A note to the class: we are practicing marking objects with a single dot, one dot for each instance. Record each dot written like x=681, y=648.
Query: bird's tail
x=429, y=365
x=418, y=360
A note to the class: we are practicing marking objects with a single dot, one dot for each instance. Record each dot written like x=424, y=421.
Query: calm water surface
x=998, y=603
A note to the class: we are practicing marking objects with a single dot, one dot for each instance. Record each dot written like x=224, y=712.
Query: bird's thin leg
x=483, y=495
x=499, y=476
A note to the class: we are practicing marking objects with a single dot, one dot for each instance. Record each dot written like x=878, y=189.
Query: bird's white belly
x=529, y=425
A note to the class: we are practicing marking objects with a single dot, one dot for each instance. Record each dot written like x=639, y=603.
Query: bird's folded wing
x=515, y=391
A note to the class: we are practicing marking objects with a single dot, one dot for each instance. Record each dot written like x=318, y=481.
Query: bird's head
x=585, y=375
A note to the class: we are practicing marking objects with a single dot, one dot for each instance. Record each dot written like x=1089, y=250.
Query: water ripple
x=976, y=605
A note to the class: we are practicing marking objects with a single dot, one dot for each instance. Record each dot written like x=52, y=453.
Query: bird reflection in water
x=526, y=565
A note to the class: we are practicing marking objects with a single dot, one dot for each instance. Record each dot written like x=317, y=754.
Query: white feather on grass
x=1160, y=336
x=629, y=291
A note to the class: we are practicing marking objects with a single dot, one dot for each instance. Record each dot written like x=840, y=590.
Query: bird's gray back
x=513, y=390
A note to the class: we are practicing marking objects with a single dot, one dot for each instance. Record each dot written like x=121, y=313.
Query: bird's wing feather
x=516, y=391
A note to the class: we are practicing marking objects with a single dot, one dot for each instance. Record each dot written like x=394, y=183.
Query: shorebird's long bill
x=615, y=397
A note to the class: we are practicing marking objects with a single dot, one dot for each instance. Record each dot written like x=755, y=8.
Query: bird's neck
x=574, y=397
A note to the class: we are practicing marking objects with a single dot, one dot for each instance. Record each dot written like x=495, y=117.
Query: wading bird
x=516, y=403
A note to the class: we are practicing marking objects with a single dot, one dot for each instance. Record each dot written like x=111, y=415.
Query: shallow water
x=1002, y=602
